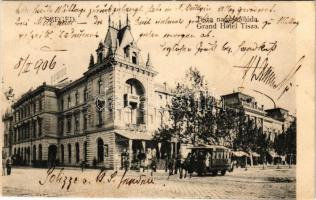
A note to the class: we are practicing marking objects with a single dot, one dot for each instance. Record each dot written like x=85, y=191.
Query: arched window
x=34, y=152
x=28, y=154
x=85, y=151
x=100, y=85
x=100, y=150
x=22, y=154
x=39, y=152
x=77, y=152
x=62, y=151
x=69, y=153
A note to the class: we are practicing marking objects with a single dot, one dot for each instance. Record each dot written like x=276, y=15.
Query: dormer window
x=100, y=57
x=134, y=58
x=127, y=51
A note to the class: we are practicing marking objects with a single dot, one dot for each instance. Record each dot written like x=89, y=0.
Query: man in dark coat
x=8, y=165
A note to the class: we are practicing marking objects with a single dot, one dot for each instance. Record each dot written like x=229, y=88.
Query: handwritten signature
x=263, y=71
x=66, y=181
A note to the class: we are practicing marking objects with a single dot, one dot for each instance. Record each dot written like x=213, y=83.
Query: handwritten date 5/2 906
x=26, y=64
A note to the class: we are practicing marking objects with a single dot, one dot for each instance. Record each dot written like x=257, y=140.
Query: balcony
x=131, y=98
x=136, y=127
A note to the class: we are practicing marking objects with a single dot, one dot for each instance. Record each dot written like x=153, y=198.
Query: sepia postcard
x=158, y=99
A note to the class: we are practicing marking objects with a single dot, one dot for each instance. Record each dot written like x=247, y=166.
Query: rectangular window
x=85, y=95
x=39, y=127
x=68, y=124
x=100, y=116
x=5, y=140
x=34, y=107
x=85, y=121
x=61, y=104
x=77, y=98
x=77, y=122
x=40, y=105
x=69, y=101
x=61, y=126
x=34, y=128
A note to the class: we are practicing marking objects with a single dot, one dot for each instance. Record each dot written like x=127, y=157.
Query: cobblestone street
x=254, y=183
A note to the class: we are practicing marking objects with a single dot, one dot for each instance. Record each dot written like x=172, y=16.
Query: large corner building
x=114, y=106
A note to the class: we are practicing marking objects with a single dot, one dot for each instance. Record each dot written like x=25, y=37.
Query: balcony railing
x=136, y=127
x=249, y=105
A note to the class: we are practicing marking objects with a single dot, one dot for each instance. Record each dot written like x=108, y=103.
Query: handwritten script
x=59, y=176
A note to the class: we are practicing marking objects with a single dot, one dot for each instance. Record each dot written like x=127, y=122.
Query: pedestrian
x=142, y=157
x=8, y=165
x=178, y=164
x=83, y=165
x=154, y=164
x=207, y=161
x=125, y=160
x=182, y=167
x=136, y=160
x=171, y=166
x=192, y=161
x=166, y=161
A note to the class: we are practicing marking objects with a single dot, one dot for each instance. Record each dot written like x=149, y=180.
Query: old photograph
x=157, y=99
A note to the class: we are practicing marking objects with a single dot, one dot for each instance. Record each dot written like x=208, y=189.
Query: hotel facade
x=115, y=106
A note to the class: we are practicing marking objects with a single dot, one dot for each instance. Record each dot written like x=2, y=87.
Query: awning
x=206, y=146
x=240, y=153
x=254, y=154
x=135, y=135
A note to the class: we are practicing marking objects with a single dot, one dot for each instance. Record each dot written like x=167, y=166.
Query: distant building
x=273, y=121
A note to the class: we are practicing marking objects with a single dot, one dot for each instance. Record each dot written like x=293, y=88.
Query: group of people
x=140, y=161
x=181, y=165
x=6, y=166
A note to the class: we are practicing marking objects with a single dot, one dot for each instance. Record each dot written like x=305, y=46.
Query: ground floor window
x=34, y=152
x=62, y=150
x=100, y=150
x=40, y=152
x=69, y=153
x=77, y=152
x=85, y=151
